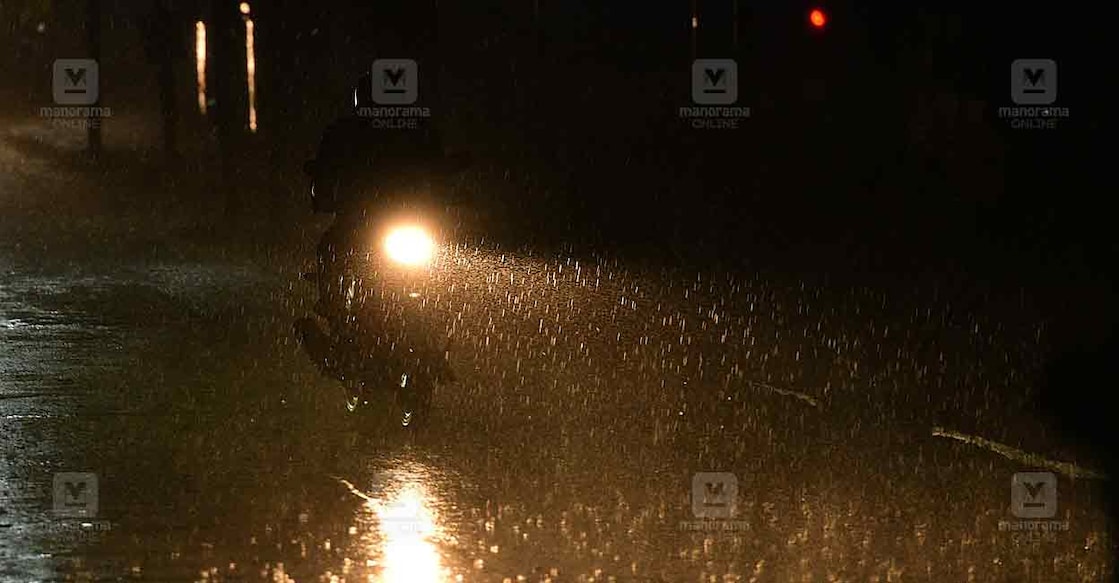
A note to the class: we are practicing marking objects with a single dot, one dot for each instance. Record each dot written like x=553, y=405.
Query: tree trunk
x=227, y=80
x=163, y=43
x=93, y=31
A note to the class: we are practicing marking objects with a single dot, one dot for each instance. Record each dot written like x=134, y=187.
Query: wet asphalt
x=857, y=432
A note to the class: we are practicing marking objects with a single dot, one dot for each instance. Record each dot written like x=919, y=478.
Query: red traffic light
x=817, y=18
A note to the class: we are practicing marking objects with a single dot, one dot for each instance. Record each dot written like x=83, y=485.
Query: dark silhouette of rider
x=367, y=152
x=367, y=161
x=372, y=161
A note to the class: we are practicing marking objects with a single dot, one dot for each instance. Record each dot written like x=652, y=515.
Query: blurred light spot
x=250, y=68
x=817, y=18
x=409, y=245
x=200, y=63
x=244, y=8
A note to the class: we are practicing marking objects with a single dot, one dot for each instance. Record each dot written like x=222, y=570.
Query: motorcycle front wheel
x=412, y=399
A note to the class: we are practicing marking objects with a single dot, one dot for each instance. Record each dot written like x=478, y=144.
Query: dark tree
x=93, y=31
x=162, y=41
x=226, y=76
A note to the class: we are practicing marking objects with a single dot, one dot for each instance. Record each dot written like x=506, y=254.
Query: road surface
x=868, y=433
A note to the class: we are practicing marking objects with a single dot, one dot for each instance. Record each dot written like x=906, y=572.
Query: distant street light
x=250, y=64
x=200, y=63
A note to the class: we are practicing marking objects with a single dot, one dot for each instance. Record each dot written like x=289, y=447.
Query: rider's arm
x=327, y=168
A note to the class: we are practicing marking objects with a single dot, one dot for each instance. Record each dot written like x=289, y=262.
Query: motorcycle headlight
x=410, y=245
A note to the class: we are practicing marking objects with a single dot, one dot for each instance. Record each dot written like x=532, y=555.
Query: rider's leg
x=334, y=252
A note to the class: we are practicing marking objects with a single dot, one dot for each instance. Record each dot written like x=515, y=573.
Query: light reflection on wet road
x=588, y=396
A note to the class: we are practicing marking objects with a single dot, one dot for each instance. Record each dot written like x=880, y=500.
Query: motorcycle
x=378, y=323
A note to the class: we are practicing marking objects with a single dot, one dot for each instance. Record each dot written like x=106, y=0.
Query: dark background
x=874, y=151
x=874, y=146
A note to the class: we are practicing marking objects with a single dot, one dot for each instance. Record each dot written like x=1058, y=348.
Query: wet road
x=589, y=396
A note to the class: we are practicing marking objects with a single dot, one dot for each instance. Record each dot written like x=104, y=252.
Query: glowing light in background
x=817, y=18
x=695, y=22
x=244, y=8
x=200, y=63
x=250, y=67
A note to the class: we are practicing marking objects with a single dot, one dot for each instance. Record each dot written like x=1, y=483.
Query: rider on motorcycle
x=360, y=166
x=363, y=169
